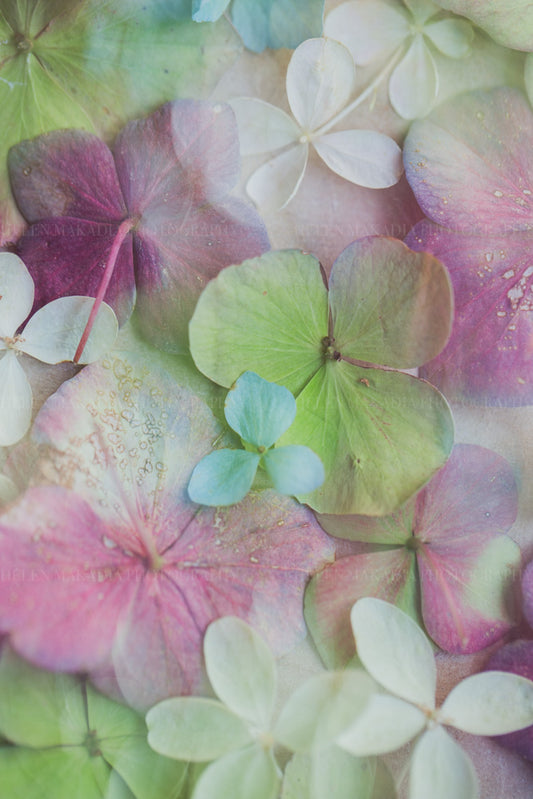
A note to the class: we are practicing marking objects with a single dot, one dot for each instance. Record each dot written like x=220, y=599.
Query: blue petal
x=294, y=469
x=277, y=23
x=208, y=10
x=259, y=411
x=223, y=477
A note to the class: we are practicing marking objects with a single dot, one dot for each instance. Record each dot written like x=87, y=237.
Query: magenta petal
x=490, y=353
x=67, y=256
x=469, y=163
x=61, y=594
x=467, y=566
x=517, y=658
x=66, y=173
x=388, y=575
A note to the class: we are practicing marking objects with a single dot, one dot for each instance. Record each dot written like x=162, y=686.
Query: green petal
x=268, y=315
x=322, y=708
x=251, y=773
x=39, y=708
x=259, y=411
x=241, y=669
x=294, y=469
x=223, y=477
x=190, y=728
x=380, y=435
x=335, y=774
x=389, y=305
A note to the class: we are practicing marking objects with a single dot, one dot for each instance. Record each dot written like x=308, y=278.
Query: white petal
x=440, y=769
x=16, y=293
x=16, y=400
x=263, y=127
x=320, y=81
x=490, y=703
x=395, y=651
x=422, y=9
x=453, y=37
x=386, y=724
x=414, y=84
x=275, y=183
x=364, y=157
x=53, y=333
x=368, y=28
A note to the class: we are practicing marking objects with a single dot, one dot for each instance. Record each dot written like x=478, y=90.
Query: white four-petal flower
x=51, y=335
x=397, y=654
x=372, y=29
x=320, y=80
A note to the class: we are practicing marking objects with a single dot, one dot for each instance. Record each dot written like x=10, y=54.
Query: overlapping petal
x=16, y=293
x=414, y=84
x=369, y=28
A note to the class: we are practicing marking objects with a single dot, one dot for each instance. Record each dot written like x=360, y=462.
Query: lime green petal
x=268, y=315
x=380, y=435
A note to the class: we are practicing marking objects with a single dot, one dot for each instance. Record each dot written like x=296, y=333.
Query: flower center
x=92, y=744
x=328, y=349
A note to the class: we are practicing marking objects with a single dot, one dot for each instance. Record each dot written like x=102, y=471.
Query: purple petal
x=469, y=163
x=67, y=256
x=527, y=593
x=516, y=657
x=389, y=575
x=467, y=566
x=66, y=173
x=489, y=355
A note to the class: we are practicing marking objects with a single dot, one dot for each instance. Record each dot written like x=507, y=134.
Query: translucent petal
x=386, y=724
x=414, y=83
x=364, y=157
x=208, y=10
x=275, y=183
x=294, y=469
x=223, y=477
x=16, y=293
x=241, y=669
x=333, y=773
x=16, y=400
x=395, y=651
x=259, y=411
x=250, y=773
x=440, y=769
x=322, y=708
x=320, y=81
x=453, y=37
x=491, y=703
x=193, y=728
x=368, y=28
x=263, y=127
x=53, y=333
x=422, y=10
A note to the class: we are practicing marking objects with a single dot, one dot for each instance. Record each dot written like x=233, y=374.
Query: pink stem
x=122, y=232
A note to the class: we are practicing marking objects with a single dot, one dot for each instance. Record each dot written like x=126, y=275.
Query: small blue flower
x=260, y=412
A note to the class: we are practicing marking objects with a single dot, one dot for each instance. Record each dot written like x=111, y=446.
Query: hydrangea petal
x=414, y=84
x=223, y=477
x=453, y=37
x=241, y=670
x=320, y=81
x=330, y=595
x=335, y=773
x=259, y=411
x=527, y=592
x=364, y=157
x=294, y=469
x=16, y=400
x=421, y=10
x=508, y=23
x=385, y=724
x=264, y=23
x=250, y=773
x=490, y=703
x=469, y=164
x=263, y=127
x=528, y=77
x=368, y=28
x=196, y=729
x=208, y=10
x=395, y=651
x=320, y=709
x=16, y=293
x=275, y=183
x=440, y=769
x=53, y=333
x=404, y=303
